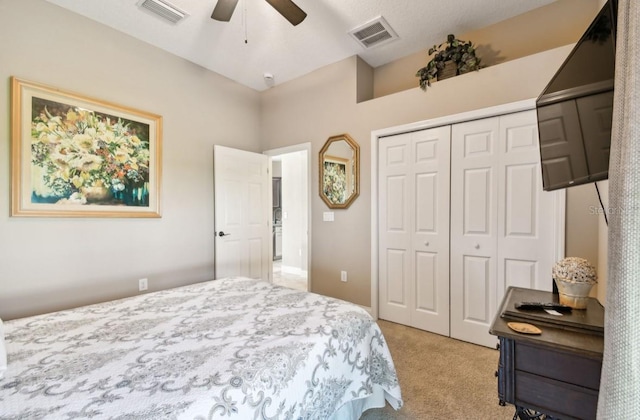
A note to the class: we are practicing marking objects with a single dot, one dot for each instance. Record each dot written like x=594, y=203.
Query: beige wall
x=47, y=264
x=559, y=23
x=322, y=104
x=583, y=225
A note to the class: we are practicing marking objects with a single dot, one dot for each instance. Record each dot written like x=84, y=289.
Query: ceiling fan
x=224, y=9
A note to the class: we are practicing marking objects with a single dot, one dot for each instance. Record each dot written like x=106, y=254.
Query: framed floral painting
x=73, y=156
x=336, y=182
x=339, y=161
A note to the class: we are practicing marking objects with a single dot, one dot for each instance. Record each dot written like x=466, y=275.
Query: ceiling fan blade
x=289, y=10
x=224, y=10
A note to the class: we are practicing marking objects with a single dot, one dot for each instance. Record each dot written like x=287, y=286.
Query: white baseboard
x=293, y=270
x=368, y=309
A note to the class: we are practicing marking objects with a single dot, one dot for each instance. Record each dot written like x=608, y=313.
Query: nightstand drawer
x=556, y=398
x=558, y=365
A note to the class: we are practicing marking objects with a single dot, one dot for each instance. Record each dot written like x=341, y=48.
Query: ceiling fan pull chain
x=244, y=19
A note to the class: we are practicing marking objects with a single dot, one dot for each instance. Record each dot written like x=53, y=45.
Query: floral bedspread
x=231, y=348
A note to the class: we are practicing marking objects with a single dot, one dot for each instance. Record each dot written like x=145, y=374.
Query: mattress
x=229, y=348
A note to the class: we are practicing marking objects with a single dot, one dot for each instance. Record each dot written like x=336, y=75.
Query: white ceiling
x=275, y=46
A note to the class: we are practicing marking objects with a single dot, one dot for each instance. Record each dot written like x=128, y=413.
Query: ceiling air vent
x=163, y=9
x=373, y=33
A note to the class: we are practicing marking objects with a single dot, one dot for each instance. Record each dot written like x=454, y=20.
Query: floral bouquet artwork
x=79, y=157
x=335, y=182
x=84, y=157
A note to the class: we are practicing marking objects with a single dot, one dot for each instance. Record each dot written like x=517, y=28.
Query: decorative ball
x=575, y=270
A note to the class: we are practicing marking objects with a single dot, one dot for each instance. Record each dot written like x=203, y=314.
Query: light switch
x=327, y=216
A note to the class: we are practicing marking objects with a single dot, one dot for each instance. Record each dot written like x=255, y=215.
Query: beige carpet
x=441, y=378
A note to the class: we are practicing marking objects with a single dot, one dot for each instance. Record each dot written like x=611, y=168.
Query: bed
x=229, y=348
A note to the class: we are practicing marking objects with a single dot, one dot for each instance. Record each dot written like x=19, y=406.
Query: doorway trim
x=302, y=147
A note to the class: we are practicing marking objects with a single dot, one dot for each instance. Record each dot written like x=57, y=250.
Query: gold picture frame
x=339, y=164
x=75, y=156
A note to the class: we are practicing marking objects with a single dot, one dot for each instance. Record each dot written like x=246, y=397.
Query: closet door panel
x=477, y=288
x=477, y=190
x=426, y=263
x=413, y=185
x=396, y=285
x=395, y=230
x=521, y=272
x=474, y=189
x=430, y=240
x=427, y=287
x=520, y=201
x=426, y=204
x=526, y=231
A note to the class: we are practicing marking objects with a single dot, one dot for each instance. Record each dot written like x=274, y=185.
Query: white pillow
x=3, y=352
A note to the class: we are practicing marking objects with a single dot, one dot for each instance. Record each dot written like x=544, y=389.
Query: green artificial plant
x=462, y=53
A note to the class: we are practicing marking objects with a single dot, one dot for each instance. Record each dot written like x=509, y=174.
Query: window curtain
x=620, y=383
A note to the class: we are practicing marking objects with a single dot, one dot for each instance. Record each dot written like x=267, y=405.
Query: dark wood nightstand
x=555, y=374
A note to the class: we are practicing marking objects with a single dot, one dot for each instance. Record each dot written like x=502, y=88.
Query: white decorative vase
x=575, y=295
x=575, y=278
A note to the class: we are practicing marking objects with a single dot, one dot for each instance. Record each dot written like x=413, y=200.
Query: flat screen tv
x=575, y=109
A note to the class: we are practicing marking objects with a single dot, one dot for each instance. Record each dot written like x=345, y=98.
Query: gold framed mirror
x=339, y=171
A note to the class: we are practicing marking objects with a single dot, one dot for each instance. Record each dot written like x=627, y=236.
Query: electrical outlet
x=343, y=276
x=143, y=284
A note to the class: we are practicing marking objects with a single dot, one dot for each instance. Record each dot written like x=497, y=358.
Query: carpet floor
x=441, y=378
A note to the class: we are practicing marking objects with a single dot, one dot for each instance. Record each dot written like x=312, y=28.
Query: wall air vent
x=374, y=33
x=163, y=9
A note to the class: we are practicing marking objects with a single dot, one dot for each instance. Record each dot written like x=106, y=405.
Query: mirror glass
x=339, y=171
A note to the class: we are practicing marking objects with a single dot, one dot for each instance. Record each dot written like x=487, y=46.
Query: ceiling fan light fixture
x=163, y=9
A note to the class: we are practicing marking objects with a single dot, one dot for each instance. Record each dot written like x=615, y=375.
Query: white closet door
x=394, y=177
x=413, y=188
x=502, y=222
x=474, y=210
x=526, y=232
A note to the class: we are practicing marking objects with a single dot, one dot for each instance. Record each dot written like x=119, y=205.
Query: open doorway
x=291, y=215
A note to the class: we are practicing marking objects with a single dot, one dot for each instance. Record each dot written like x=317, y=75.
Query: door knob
x=221, y=234
x=426, y=244
x=477, y=246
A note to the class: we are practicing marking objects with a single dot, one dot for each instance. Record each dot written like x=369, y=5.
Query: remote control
x=542, y=305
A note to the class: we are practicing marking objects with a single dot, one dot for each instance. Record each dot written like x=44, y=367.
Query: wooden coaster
x=523, y=328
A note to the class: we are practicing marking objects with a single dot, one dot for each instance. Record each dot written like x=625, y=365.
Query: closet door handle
x=477, y=246
x=426, y=243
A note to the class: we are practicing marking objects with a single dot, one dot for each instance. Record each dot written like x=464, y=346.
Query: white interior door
x=474, y=188
x=526, y=233
x=242, y=196
x=503, y=225
x=413, y=184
